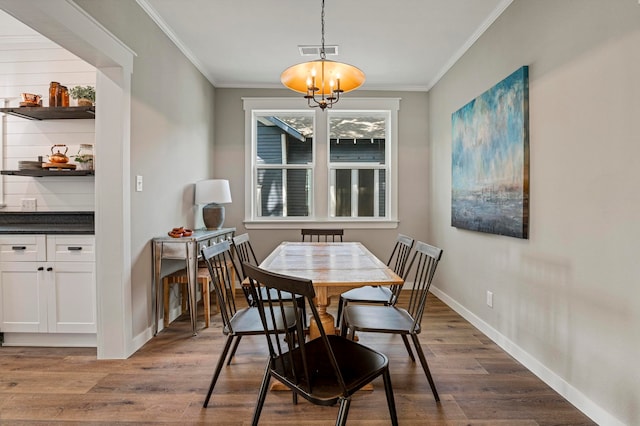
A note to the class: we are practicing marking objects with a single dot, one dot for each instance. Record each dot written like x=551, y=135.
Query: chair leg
x=341, y=303
x=343, y=329
x=206, y=301
x=388, y=390
x=218, y=369
x=425, y=366
x=262, y=394
x=343, y=412
x=233, y=351
x=352, y=335
x=406, y=345
x=166, y=285
x=303, y=307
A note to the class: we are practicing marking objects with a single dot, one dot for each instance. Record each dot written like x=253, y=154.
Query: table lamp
x=213, y=193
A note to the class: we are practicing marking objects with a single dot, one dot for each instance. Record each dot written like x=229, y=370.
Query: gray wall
x=412, y=162
x=566, y=300
x=172, y=123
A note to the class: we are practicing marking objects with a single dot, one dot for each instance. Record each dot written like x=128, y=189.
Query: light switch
x=139, y=183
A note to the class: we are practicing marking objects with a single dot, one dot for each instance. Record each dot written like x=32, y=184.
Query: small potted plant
x=86, y=96
x=84, y=157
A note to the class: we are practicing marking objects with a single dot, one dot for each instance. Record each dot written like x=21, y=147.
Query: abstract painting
x=490, y=160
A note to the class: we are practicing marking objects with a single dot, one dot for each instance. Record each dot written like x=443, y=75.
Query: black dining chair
x=245, y=254
x=322, y=235
x=380, y=295
x=236, y=322
x=397, y=320
x=325, y=371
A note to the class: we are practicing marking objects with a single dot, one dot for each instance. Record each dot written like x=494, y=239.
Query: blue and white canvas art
x=490, y=160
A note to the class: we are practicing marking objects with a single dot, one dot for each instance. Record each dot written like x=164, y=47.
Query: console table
x=171, y=254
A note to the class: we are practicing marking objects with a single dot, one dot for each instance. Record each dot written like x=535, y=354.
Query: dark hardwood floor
x=166, y=382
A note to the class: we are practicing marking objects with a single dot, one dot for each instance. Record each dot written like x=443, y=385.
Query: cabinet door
x=23, y=297
x=72, y=297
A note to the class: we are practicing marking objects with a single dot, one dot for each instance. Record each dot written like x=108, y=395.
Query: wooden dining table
x=333, y=268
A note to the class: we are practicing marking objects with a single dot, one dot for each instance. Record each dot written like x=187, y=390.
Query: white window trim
x=3, y=103
x=321, y=181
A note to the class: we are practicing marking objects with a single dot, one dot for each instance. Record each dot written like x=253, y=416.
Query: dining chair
x=236, y=322
x=325, y=371
x=322, y=235
x=245, y=254
x=397, y=320
x=381, y=295
x=180, y=277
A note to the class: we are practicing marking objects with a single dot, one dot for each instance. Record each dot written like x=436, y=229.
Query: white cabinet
x=47, y=284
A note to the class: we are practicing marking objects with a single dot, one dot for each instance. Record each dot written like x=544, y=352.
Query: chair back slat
x=398, y=262
x=289, y=358
x=244, y=251
x=425, y=259
x=221, y=268
x=322, y=235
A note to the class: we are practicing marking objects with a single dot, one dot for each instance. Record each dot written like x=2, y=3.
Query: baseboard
x=138, y=341
x=557, y=383
x=59, y=340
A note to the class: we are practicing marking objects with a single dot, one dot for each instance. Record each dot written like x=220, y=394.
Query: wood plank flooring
x=166, y=382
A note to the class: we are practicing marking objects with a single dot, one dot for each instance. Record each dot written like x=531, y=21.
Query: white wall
x=28, y=63
x=172, y=127
x=567, y=300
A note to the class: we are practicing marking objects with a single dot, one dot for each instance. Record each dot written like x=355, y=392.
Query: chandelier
x=322, y=81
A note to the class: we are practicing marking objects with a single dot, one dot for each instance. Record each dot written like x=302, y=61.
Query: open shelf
x=52, y=113
x=43, y=172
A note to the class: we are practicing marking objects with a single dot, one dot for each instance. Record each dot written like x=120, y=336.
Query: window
x=358, y=168
x=307, y=165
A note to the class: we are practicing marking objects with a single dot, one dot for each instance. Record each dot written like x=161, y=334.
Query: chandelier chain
x=322, y=81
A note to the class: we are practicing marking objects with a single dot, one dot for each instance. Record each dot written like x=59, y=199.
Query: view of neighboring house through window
x=313, y=165
x=358, y=170
x=284, y=164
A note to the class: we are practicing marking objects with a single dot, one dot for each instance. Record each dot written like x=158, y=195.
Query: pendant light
x=322, y=81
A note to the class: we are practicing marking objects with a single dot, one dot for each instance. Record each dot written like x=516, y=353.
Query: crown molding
x=168, y=31
x=502, y=6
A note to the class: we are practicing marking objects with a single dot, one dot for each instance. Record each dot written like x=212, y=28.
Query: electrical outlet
x=139, y=183
x=28, y=204
x=490, y=299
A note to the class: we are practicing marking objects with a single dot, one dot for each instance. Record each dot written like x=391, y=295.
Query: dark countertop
x=47, y=223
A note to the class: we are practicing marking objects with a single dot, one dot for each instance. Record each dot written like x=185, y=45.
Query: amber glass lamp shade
x=344, y=77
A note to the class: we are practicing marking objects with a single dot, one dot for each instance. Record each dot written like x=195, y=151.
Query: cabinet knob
x=74, y=248
x=49, y=269
x=41, y=268
x=19, y=248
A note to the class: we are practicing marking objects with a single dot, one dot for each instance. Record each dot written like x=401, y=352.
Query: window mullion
x=354, y=192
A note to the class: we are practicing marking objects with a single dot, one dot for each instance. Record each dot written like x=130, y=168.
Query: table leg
x=192, y=279
x=328, y=322
x=156, y=248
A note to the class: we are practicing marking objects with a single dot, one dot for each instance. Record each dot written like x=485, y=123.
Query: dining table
x=333, y=268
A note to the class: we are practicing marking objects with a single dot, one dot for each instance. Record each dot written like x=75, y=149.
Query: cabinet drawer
x=70, y=248
x=23, y=248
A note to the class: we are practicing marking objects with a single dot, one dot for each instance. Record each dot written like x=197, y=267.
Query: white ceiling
x=400, y=45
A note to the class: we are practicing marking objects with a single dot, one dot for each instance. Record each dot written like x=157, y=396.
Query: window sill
x=344, y=224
